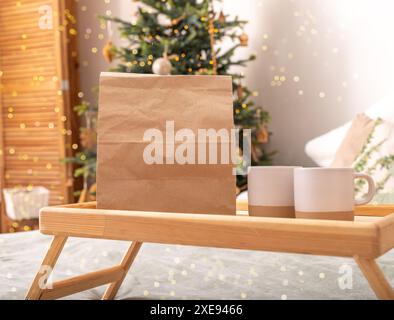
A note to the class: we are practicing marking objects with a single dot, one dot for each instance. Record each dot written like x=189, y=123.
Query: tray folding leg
x=126, y=263
x=37, y=287
x=375, y=278
x=40, y=290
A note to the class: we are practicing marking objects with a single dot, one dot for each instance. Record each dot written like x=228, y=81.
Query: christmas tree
x=185, y=37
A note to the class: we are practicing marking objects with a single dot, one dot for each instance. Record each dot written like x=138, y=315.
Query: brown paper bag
x=132, y=104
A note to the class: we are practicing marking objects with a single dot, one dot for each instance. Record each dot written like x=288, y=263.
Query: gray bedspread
x=175, y=272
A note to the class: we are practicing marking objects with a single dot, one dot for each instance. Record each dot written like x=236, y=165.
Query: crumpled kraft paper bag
x=129, y=105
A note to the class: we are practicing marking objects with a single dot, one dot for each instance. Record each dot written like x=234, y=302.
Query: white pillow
x=322, y=149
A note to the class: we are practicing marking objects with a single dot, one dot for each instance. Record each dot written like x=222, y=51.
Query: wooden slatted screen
x=36, y=117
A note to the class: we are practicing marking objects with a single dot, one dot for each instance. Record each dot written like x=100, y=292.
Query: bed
x=177, y=272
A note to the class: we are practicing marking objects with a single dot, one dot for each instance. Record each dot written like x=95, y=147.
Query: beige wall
x=336, y=57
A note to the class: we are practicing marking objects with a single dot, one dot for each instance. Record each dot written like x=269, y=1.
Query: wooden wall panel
x=37, y=68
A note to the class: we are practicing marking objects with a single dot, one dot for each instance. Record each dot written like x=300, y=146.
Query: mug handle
x=371, y=189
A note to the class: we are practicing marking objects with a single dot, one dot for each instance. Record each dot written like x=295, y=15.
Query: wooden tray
x=365, y=239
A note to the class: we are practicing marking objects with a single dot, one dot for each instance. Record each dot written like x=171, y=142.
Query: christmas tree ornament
x=177, y=20
x=262, y=135
x=88, y=138
x=162, y=66
x=244, y=40
x=240, y=91
x=108, y=52
x=222, y=17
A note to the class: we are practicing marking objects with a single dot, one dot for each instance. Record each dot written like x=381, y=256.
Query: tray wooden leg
x=376, y=278
x=37, y=287
x=126, y=263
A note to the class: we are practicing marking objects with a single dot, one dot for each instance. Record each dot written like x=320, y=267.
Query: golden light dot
x=300, y=92
x=142, y=64
x=57, y=109
x=73, y=32
x=296, y=79
x=244, y=106
x=11, y=151
x=322, y=94
x=282, y=78
x=264, y=48
x=24, y=36
x=75, y=146
x=10, y=116
x=84, y=8
x=100, y=36
x=134, y=51
x=1, y=73
x=22, y=126
x=51, y=125
x=10, y=109
x=63, y=118
x=83, y=157
x=94, y=50
x=265, y=36
x=255, y=93
x=59, y=93
x=49, y=166
x=290, y=56
x=276, y=78
x=80, y=94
